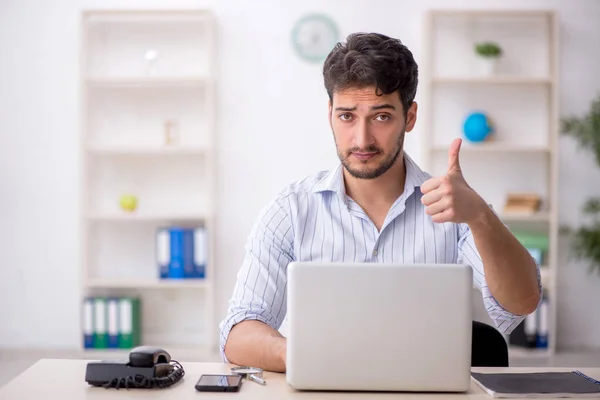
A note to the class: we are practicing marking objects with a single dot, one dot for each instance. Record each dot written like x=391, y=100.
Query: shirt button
x=375, y=252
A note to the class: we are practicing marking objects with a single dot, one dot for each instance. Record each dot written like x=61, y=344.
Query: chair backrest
x=489, y=348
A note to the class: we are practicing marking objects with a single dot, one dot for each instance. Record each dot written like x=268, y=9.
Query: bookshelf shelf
x=148, y=132
x=465, y=13
x=495, y=80
x=148, y=216
x=148, y=283
x=520, y=97
x=495, y=148
x=149, y=82
x=537, y=217
x=147, y=150
x=132, y=16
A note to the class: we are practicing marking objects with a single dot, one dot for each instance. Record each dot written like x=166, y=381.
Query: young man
x=377, y=206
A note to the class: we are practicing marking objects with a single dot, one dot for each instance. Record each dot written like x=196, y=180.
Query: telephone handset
x=147, y=367
x=148, y=356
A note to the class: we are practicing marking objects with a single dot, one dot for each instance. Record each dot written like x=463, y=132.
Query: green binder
x=533, y=240
x=100, y=321
x=129, y=323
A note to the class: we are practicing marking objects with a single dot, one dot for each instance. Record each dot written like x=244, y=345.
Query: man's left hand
x=449, y=198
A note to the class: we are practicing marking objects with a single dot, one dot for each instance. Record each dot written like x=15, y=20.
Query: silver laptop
x=379, y=327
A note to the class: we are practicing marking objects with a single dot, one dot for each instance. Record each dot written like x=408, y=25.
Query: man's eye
x=345, y=117
x=383, y=117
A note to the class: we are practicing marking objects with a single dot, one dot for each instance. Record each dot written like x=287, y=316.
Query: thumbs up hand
x=449, y=198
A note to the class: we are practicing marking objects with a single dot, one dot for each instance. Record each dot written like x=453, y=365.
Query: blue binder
x=163, y=252
x=88, y=323
x=188, y=253
x=113, y=323
x=176, y=264
x=200, y=252
x=542, y=331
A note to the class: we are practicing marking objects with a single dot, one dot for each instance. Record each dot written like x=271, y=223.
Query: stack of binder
x=181, y=253
x=536, y=243
x=111, y=323
x=532, y=333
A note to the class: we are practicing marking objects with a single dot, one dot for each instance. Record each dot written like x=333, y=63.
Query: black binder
x=538, y=384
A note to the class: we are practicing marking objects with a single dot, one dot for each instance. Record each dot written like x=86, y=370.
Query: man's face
x=369, y=130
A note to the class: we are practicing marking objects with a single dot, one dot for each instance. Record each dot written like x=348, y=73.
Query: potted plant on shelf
x=488, y=55
x=586, y=239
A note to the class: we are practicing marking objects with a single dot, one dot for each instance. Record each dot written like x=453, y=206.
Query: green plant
x=586, y=130
x=488, y=49
x=586, y=239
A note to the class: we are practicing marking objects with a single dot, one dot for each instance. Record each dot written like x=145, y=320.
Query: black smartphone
x=219, y=383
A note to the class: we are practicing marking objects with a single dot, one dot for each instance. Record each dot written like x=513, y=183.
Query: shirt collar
x=334, y=180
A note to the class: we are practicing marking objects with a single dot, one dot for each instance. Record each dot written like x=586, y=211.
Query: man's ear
x=330, y=108
x=411, y=116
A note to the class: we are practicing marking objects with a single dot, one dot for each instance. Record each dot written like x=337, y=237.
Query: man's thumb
x=453, y=161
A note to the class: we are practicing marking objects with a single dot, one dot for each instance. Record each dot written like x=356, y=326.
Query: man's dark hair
x=372, y=59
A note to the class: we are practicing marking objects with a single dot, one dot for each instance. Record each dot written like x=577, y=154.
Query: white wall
x=268, y=99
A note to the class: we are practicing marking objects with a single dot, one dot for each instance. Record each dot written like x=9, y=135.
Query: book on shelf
x=88, y=323
x=129, y=323
x=100, y=335
x=181, y=253
x=111, y=322
x=532, y=333
x=536, y=243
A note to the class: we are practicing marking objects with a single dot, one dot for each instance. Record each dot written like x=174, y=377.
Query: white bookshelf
x=148, y=216
x=521, y=99
x=147, y=283
x=128, y=103
x=131, y=149
x=492, y=80
x=495, y=148
x=148, y=82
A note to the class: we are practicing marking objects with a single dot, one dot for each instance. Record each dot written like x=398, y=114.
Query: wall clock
x=313, y=37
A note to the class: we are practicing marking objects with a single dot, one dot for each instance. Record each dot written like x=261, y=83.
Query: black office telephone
x=148, y=367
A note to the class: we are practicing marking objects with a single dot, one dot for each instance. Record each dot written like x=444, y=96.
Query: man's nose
x=362, y=136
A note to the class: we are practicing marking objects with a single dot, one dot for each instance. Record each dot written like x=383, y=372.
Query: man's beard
x=383, y=166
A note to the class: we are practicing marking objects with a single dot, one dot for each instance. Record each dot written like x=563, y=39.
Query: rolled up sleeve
x=504, y=320
x=260, y=289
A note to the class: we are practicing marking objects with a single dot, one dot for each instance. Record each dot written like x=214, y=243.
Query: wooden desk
x=64, y=379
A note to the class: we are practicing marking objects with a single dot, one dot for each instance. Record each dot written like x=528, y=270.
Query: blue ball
x=477, y=127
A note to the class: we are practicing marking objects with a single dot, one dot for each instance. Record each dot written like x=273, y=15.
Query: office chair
x=488, y=348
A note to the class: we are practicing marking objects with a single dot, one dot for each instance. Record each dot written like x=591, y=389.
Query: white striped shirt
x=314, y=220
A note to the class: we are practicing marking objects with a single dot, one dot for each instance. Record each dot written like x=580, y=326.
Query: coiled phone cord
x=141, y=382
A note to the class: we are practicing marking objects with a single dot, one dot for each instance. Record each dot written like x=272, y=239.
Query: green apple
x=128, y=202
